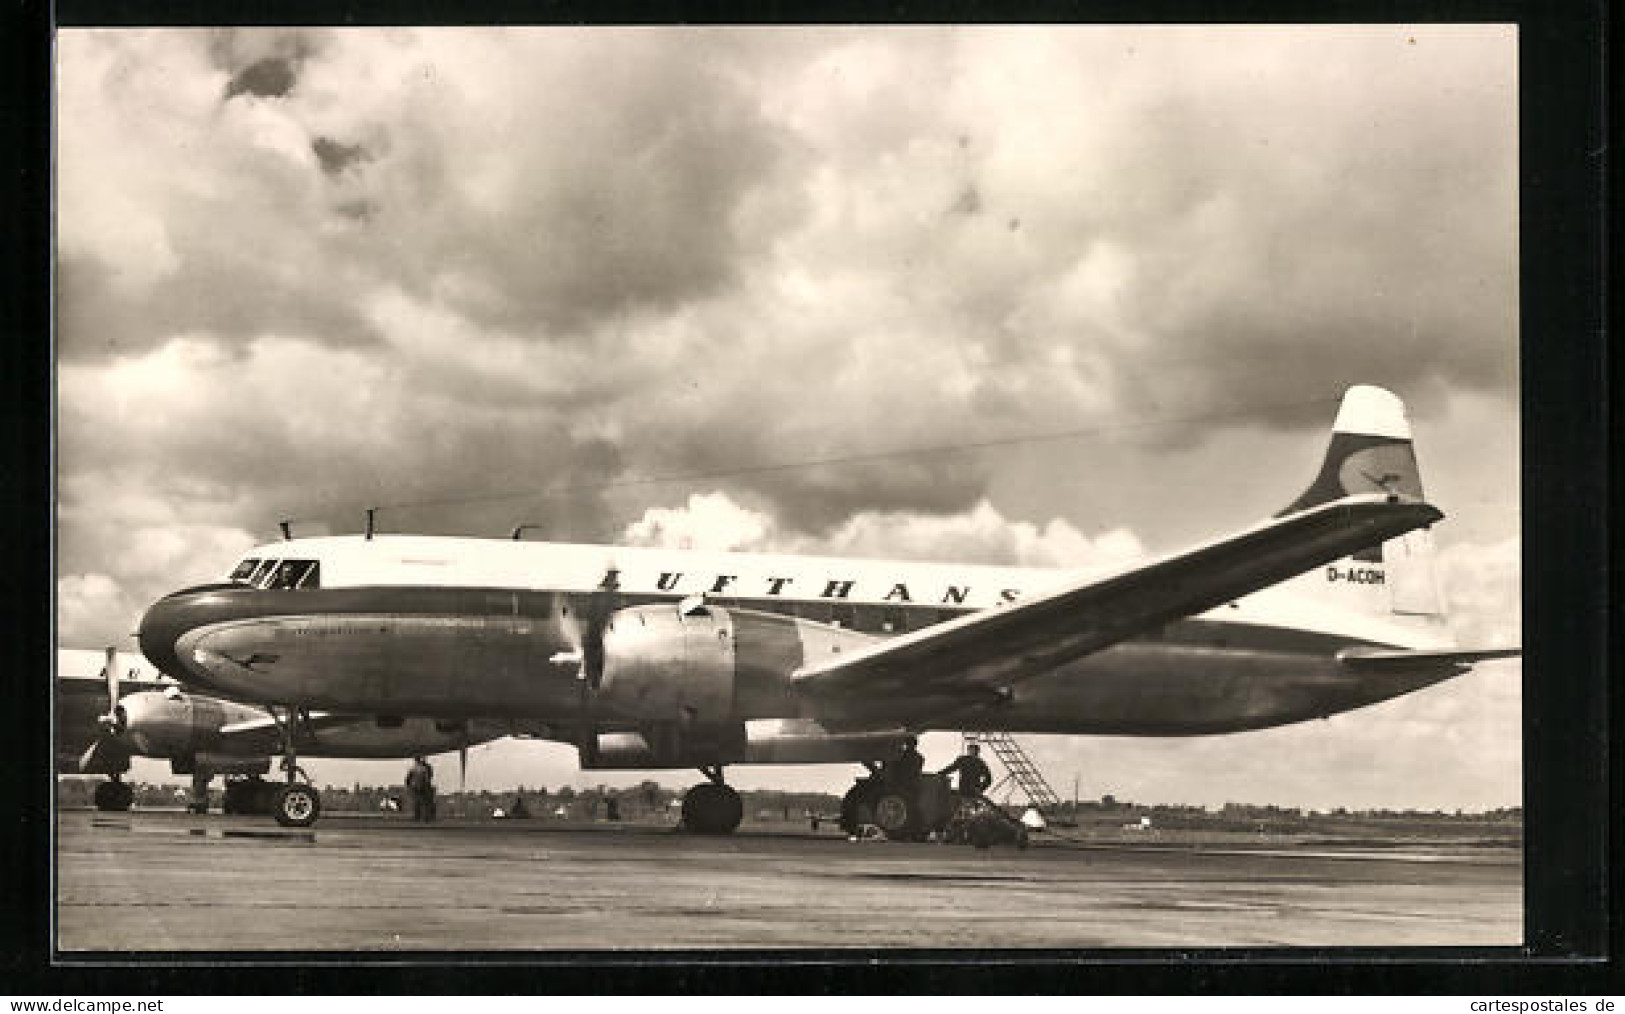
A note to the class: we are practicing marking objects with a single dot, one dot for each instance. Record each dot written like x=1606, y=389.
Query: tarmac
x=170, y=881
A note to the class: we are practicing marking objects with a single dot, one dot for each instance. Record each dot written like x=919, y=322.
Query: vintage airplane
x=654, y=658
x=125, y=711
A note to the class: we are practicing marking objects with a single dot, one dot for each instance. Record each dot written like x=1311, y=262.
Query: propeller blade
x=587, y=634
x=462, y=765
x=110, y=673
x=112, y=721
x=105, y=756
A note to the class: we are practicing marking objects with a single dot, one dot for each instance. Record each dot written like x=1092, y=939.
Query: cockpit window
x=243, y=570
x=295, y=574
x=261, y=572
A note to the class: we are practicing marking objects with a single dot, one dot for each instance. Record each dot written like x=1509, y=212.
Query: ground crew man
x=905, y=768
x=974, y=777
x=420, y=784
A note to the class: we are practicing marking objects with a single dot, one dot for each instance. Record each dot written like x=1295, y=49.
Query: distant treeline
x=652, y=801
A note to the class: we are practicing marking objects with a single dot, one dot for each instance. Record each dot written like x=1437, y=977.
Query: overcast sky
x=305, y=272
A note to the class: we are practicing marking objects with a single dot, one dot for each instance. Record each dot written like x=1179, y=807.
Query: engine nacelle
x=171, y=724
x=663, y=664
x=697, y=664
x=764, y=741
x=667, y=745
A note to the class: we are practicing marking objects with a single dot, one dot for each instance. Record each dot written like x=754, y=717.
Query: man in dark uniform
x=974, y=777
x=905, y=768
x=420, y=784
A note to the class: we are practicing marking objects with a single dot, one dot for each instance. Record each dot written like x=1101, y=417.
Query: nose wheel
x=296, y=805
x=712, y=807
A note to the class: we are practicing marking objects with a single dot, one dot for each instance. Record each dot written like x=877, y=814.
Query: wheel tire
x=113, y=797
x=858, y=807
x=244, y=796
x=712, y=809
x=262, y=798
x=296, y=806
x=898, y=816
x=982, y=835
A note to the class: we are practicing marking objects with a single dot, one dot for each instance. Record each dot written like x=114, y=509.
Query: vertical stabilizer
x=1371, y=451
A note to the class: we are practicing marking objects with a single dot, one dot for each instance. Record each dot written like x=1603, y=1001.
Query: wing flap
x=996, y=647
x=1385, y=659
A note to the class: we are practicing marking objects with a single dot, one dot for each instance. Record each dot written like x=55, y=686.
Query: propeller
x=585, y=631
x=109, y=751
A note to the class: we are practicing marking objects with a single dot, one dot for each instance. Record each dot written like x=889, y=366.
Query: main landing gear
x=711, y=807
x=199, y=803
x=248, y=795
x=296, y=804
x=114, y=795
x=907, y=810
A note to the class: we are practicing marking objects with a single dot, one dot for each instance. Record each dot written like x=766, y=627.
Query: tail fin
x=1371, y=452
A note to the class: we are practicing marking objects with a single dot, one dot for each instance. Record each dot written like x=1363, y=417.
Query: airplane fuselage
x=405, y=625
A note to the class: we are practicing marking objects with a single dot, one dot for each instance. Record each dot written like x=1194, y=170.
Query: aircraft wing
x=261, y=733
x=977, y=655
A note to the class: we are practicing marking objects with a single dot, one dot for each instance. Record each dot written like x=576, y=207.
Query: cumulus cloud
x=1483, y=588
x=1060, y=231
x=107, y=578
x=980, y=535
x=709, y=521
x=83, y=604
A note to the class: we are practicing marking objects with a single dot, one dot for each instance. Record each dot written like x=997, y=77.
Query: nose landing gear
x=712, y=807
x=296, y=804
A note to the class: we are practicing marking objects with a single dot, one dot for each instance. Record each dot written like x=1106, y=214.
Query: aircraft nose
x=172, y=617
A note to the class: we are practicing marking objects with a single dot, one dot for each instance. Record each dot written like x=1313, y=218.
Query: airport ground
x=169, y=881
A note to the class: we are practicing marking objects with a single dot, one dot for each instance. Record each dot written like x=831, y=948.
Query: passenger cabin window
x=295, y=574
x=244, y=570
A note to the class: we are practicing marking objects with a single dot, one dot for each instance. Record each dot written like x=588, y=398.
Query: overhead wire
x=767, y=468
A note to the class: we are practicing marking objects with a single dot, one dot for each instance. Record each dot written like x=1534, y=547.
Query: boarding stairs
x=1020, y=773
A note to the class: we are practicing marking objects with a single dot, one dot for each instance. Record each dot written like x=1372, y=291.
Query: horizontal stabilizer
x=1379, y=659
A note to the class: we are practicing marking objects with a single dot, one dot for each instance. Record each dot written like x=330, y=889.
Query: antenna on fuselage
x=519, y=530
x=371, y=513
x=287, y=530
